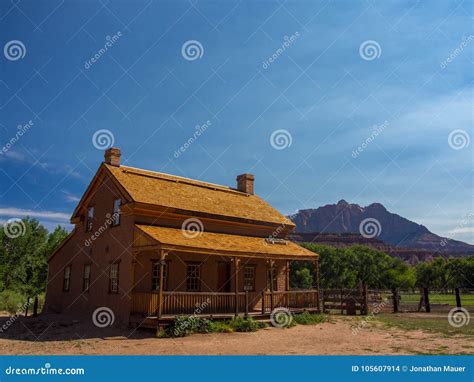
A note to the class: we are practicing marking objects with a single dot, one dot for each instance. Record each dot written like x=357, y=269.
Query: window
x=114, y=278
x=193, y=277
x=116, y=214
x=90, y=219
x=275, y=278
x=249, y=278
x=155, y=276
x=67, y=278
x=86, y=278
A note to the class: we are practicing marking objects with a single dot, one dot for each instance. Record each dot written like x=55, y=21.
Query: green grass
x=307, y=318
x=466, y=299
x=424, y=322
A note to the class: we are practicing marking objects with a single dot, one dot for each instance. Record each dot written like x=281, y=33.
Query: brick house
x=149, y=246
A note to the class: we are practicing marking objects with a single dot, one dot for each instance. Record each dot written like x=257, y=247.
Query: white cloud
x=19, y=212
x=70, y=197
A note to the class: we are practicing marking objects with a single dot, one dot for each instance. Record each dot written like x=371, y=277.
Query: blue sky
x=323, y=89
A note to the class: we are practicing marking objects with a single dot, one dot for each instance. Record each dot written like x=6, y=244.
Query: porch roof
x=218, y=243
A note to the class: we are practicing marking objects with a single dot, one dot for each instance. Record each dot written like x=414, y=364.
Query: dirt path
x=327, y=338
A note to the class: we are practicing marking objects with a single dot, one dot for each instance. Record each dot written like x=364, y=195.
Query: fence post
x=458, y=298
x=263, y=302
x=246, y=303
x=365, y=300
x=426, y=297
x=35, y=307
x=395, y=300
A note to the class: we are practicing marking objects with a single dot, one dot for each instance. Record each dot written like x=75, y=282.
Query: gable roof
x=172, y=191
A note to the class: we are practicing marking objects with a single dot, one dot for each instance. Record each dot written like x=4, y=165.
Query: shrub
x=307, y=318
x=186, y=325
x=242, y=324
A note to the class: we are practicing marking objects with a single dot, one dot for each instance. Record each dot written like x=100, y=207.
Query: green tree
x=25, y=248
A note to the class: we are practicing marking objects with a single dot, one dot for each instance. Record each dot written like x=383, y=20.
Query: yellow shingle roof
x=221, y=244
x=191, y=195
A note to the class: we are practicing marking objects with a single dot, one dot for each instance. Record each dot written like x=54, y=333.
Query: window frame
x=157, y=276
x=111, y=266
x=67, y=286
x=116, y=221
x=90, y=219
x=196, y=279
x=84, y=278
x=251, y=287
x=275, y=277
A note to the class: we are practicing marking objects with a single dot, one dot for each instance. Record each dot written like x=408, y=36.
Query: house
x=152, y=245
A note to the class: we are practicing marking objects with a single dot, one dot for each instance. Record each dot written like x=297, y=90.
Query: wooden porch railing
x=175, y=303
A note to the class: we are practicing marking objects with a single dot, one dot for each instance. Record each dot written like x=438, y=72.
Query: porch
x=215, y=275
x=223, y=304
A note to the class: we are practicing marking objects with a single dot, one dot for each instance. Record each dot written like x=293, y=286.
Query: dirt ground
x=54, y=335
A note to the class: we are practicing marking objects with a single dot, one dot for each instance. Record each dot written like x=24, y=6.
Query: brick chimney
x=245, y=183
x=112, y=156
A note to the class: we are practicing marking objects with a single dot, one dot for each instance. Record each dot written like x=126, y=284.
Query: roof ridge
x=181, y=179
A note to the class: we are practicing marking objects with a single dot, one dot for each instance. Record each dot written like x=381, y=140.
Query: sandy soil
x=49, y=335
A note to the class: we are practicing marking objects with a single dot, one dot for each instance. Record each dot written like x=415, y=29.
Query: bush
x=183, y=326
x=242, y=324
x=307, y=318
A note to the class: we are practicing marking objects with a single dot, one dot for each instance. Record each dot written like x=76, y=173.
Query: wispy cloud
x=70, y=197
x=20, y=212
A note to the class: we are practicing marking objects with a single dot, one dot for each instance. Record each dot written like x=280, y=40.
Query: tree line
x=348, y=267
x=24, y=251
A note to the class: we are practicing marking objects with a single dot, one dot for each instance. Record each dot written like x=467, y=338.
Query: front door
x=223, y=277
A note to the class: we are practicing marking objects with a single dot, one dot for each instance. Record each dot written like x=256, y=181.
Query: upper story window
x=116, y=214
x=114, y=278
x=67, y=278
x=193, y=277
x=90, y=219
x=249, y=277
x=86, y=280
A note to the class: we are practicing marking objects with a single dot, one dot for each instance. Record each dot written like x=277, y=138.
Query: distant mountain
x=374, y=221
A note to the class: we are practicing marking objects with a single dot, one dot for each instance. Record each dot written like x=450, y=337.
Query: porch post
x=160, y=296
x=236, y=284
x=316, y=268
x=272, y=263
